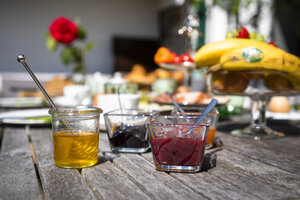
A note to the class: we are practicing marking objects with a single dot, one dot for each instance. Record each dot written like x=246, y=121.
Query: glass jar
x=126, y=130
x=177, y=144
x=75, y=136
x=212, y=116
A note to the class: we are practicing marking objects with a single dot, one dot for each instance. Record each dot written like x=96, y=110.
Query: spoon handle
x=208, y=108
x=175, y=103
x=21, y=58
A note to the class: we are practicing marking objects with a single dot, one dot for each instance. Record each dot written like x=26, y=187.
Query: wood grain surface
x=235, y=168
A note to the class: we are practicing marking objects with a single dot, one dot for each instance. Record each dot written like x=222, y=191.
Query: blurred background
x=129, y=32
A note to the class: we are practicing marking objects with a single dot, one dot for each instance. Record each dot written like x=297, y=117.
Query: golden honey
x=75, y=149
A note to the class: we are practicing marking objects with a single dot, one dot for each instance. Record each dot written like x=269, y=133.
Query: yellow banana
x=274, y=80
x=257, y=59
x=211, y=53
x=282, y=81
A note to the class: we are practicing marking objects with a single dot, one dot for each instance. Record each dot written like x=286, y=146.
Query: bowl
x=174, y=148
x=126, y=130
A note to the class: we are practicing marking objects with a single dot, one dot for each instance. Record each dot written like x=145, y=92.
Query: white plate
x=21, y=102
x=23, y=116
x=182, y=66
x=293, y=115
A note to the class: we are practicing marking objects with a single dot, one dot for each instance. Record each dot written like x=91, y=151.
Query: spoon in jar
x=175, y=103
x=22, y=59
x=120, y=104
x=208, y=108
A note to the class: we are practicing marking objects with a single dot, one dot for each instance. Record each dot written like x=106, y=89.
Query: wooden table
x=235, y=169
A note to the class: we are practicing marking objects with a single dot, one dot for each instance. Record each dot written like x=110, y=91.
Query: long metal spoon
x=22, y=59
x=175, y=103
x=208, y=108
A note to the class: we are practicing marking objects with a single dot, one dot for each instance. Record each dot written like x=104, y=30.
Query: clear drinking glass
x=126, y=130
x=174, y=149
x=213, y=117
x=75, y=136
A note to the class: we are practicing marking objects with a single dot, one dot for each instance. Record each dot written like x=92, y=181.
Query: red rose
x=63, y=30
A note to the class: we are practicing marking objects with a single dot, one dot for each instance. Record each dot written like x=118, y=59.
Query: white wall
x=23, y=23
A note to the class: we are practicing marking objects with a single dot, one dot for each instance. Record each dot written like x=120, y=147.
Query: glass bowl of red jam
x=174, y=147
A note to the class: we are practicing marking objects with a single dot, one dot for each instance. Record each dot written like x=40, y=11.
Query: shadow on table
x=230, y=126
x=107, y=156
x=290, y=128
x=210, y=158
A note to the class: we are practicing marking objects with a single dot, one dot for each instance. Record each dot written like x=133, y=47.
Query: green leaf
x=77, y=54
x=79, y=68
x=46, y=35
x=90, y=46
x=81, y=35
x=248, y=3
x=77, y=20
x=196, y=3
x=219, y=3
x=67, y=55
x=51, y=43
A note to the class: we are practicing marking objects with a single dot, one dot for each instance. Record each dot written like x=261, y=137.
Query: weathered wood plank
x=159, y=184
x=57, y=183
x=288, y=144
x=256, y=168
x=213, y=187
x=106, y=180
x=15, y=142
x=17, y=172
x=263, y=152
x=1, y=136
x=252, y=184
x=104, y=143
x=210, y=186
x=109, y=182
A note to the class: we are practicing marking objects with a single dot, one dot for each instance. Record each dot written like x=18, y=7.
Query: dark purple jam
x=130, y=137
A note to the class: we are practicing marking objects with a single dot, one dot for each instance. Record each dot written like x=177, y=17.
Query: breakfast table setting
x=147, y=135
x=35, y=156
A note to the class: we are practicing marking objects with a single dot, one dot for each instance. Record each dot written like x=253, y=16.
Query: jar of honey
x=75, y=136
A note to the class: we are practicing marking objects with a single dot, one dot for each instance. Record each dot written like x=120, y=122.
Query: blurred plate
x=28, y=116
x=189, y=99
x=181, y=66
x=293, y=115
x=21, y=102
x=186, y=104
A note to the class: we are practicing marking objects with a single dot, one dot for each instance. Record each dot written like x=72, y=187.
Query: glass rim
x=111, y=113
x=196, y=114
x=179, y=125
x=153, y=122
x=76, y=110
x=193, y=109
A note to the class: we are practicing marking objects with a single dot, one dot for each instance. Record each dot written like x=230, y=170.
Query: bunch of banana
x=245, y=54
x=249, y=55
